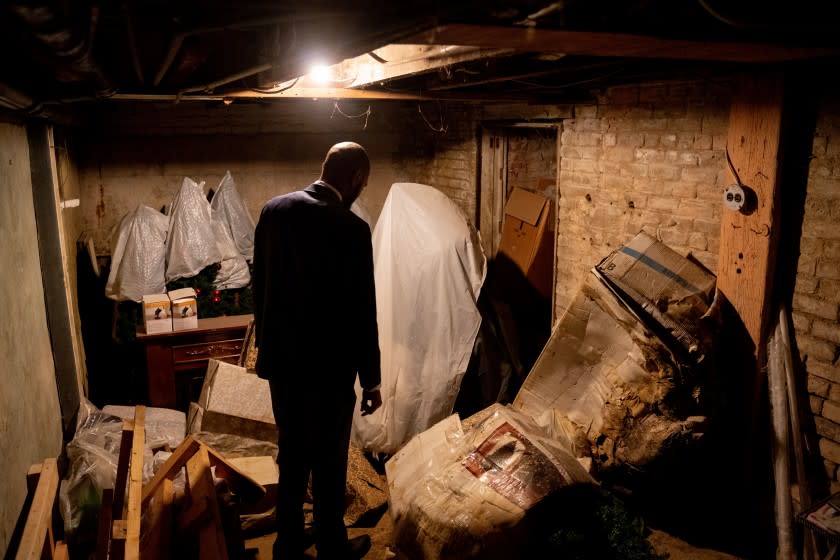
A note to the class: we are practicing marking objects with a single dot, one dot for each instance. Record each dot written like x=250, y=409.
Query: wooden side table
x=177, y=361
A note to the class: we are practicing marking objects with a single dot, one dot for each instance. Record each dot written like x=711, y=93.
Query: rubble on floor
x=620, y=384
x=228, y=447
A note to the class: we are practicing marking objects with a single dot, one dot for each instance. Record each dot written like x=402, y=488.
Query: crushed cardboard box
x=462, y=491
x=234, y=401
x=527, y=238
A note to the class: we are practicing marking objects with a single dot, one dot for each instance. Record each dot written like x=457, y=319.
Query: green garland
x=213, y=302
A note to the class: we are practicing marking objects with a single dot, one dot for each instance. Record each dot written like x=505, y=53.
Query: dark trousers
x=314, y=427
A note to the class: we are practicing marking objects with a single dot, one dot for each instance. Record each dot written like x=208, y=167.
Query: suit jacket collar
x=324, y=191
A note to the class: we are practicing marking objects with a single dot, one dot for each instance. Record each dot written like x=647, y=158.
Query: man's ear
x=358, y=178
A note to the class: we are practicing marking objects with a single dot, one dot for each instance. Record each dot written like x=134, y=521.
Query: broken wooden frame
x=120, y=513
x=38, y=541
x=118, y=536
x=202, y=514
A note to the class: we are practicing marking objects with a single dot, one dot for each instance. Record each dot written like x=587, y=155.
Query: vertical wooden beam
x=50, y=230
x=748, y=242
x=123, y=462
x=135, y=486
x=492, y=194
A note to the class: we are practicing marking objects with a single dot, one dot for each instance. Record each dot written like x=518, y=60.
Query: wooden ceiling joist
x=590, y=43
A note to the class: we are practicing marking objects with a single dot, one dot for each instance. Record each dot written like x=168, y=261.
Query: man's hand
x=371, y=400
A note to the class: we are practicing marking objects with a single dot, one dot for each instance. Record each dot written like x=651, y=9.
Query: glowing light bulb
x=320, y=73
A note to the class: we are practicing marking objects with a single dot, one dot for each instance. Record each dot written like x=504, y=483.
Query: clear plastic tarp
x=230, y=209
x=191, y=244
x=138, y=253
x=233, y=271
x=429, y=268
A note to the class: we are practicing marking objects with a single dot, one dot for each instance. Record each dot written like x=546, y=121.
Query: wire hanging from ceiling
x=443, y=125
x=365, y=114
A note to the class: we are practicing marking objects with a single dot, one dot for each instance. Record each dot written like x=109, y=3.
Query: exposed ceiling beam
x=589, y=43
x=402, y=61
x=319, y=93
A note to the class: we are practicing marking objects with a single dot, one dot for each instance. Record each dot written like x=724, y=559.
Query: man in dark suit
x=315, y=327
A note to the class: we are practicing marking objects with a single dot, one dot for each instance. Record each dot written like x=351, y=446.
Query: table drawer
x=202, y=351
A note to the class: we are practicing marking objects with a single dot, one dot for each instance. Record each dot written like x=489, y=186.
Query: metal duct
x=71, y=48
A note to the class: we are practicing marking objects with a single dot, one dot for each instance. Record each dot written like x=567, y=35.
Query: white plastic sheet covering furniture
x=138, y=258
x=429, y=269
x=191, y=244
x=230, y=209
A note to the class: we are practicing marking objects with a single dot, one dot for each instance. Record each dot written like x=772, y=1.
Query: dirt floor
x=381, y=534
x=381, y=539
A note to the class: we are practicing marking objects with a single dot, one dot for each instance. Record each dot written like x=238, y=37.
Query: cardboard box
x=236, y=402
x=157, y=316
x=184, y=309
x=264, y=470
x=527, y=238
x=673, y=290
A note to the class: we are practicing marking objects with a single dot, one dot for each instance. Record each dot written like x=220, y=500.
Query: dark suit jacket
x=314, y=298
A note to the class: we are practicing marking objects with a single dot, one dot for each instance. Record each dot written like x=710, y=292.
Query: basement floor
x=259, y=548
x=380, y=537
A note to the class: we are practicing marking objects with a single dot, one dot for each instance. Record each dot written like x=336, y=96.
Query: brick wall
x=816, y=299
x=441, y=149
x=644, y=158
x=532, y=160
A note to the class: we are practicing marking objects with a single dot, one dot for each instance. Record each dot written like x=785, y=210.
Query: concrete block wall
x=140, y=154
x=30, y=418
x=816, y=298
x=647, y=157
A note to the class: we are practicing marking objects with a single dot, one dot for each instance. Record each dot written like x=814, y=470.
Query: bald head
x=346, y=167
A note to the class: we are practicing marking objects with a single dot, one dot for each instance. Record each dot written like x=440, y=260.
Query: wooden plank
x=135, y=486
x=39, y=520
x=103, y=535
x=119, y=529
x=172, y=467
x=239, y=482
x=402, y=61
x=203, y=494
x=32, y=477
x=262, y=469
x=60, y=552
x=122, y=469
x=748, y=242
x=592, y=43
x=157, y=542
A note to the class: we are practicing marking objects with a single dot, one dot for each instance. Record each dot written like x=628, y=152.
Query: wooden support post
x=748, y=242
